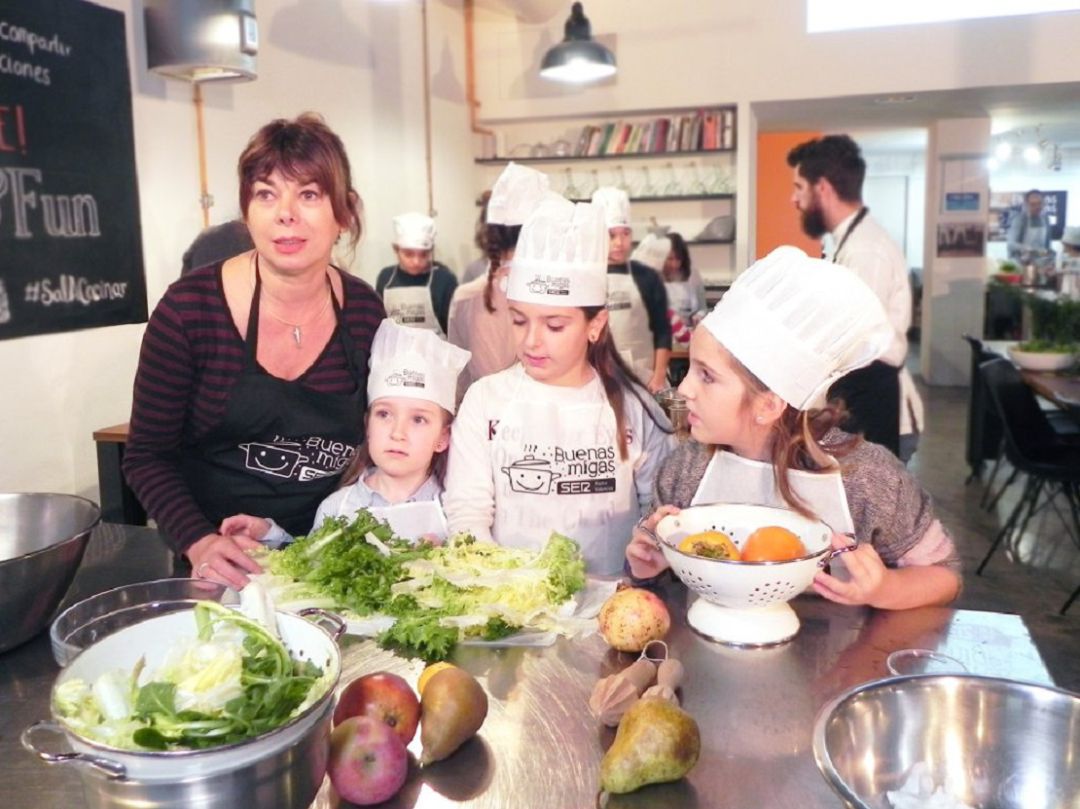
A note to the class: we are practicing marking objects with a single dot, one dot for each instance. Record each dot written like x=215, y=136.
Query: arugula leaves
x=274, y=686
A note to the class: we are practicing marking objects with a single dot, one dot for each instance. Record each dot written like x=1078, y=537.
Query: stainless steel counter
x=539, y=746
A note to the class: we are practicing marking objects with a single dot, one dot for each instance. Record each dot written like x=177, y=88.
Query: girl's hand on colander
x=644, y=555
x=866, y=575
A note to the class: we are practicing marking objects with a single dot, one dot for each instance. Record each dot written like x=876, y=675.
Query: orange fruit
x=430, y=672
x=772, y=544
x=711, y=545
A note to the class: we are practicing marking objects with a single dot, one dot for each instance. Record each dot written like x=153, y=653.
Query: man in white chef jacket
x=881, y=398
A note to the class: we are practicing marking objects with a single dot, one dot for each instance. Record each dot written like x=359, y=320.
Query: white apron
x=731, y=479
x=680, y=300
x=557, y=468
x=407, y=520
x=411, y=306
x=629, y=324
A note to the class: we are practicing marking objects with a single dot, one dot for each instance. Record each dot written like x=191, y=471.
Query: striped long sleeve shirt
x=191, y=355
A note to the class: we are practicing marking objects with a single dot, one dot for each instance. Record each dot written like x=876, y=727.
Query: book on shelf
x=605, y=140
x=582, y=147
x=727, y=137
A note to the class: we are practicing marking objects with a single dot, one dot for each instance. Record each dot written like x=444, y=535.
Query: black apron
x=871, y=395
x=281, y=447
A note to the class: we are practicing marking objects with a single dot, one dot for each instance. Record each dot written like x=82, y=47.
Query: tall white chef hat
x=616, y=205
x=516, y=194
x=561, y=256
x=415, y=231
x=653, y=251
x=799, y=324
x=415, y=364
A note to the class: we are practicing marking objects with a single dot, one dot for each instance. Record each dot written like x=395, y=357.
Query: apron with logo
x=680, y=300
x=629, y=324
x=557, y=468
x=280, y=447
x=411, y=306
x=731, y=479
x=410, y=520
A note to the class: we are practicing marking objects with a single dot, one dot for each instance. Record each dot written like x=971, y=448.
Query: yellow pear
x=452, y=708
x=656, y=742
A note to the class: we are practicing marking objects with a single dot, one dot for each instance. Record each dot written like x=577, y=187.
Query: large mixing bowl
x=42, y=541
x=281, y=768
x=984, y=741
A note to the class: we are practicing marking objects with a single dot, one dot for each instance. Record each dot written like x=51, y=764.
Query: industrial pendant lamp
x=577, y=59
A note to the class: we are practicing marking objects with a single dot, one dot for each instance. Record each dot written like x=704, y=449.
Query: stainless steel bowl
x=42, y=541
x=988, y=742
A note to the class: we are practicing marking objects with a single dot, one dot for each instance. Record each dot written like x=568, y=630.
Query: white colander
x=744, y=603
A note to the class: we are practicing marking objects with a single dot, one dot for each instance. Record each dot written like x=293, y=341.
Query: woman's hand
x=645, y=558
x=657, y=383
x=223, y=559
x=867, y=575
x=244, y=525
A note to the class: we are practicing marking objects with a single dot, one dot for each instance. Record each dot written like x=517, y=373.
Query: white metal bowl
x=729, y=583
x=1041, y=360
x=743, y=603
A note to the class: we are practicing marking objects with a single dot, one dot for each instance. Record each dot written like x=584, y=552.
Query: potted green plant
x=1055, y=334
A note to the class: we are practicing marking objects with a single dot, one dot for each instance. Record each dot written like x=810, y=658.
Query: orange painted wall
x=777, y=220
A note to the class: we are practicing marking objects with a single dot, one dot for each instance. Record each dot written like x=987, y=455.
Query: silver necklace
x=297, y=328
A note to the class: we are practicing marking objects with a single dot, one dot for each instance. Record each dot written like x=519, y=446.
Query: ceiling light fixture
x=577, y=59
x=1032, y=154
x=1003, y=150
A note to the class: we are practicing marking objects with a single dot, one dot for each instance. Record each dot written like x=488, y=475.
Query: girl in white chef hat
x=479, y=315
x=417, y=289
x=566, y=439
x=760, y=365
x=398, y=472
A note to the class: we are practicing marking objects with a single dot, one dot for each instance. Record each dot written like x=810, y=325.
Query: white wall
x=358, y=63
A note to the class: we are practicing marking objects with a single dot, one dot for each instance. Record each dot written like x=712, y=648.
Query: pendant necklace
x=297, y=328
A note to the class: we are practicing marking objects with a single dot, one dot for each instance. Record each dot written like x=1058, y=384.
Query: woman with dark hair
x=479, y=316
x=685, y=290
x=567, y=439
x=760, y=366
x=250, y=390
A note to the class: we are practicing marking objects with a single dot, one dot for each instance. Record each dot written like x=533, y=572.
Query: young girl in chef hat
x=417, y=289
x=760, y=364
x=398, y=472
x=564, y=440
x=479, y=316
x=653, y=252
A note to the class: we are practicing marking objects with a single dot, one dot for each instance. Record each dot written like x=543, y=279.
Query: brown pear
x=656, y=742
x=452, y=709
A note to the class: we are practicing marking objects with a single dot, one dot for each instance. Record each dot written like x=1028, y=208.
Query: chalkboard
x=70, y=244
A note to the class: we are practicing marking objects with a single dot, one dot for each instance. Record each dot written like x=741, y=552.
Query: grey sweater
x=889, y=508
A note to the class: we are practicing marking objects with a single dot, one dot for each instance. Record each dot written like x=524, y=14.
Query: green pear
x=656, y=742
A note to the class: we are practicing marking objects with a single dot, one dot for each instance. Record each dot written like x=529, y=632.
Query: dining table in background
x=539, y=745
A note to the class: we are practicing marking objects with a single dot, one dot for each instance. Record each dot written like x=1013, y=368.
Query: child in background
x=566, y=439
x=417, y=289
x=760, y=365
x=412, y=388
x=653, y=252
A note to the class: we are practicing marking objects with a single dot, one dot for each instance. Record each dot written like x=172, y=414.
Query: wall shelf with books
x=493, y=161
x=679, y=169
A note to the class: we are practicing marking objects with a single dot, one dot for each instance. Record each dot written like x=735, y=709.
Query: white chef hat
x=1071, y=236
x=516, y=194
x=415, y=364
x=653, y=251
x=561, y=256
x=616, y=206
x=415, y=231
x=799, y=324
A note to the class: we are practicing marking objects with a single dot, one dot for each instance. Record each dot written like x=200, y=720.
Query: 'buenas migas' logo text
x=549, y=285
x=406, y=379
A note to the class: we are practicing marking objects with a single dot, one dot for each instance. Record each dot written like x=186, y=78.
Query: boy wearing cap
x=396, y=473
x=417, y=290
x=760, y=366
x=566, y=439
x=637, y=303
x=479, y=314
